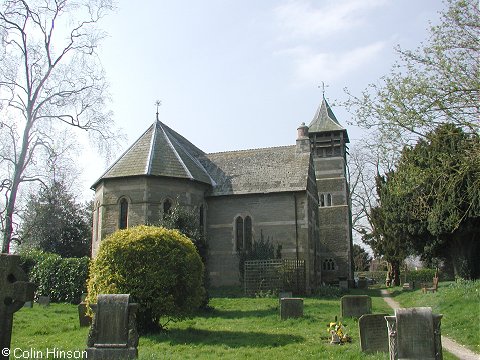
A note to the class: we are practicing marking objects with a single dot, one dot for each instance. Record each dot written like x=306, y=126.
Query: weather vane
x=323, y=89
x=158, y=103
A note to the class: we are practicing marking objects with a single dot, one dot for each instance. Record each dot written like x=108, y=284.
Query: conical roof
x=324, y=120
x=159, y=151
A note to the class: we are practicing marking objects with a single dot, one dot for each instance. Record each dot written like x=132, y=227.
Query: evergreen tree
x=54, y=222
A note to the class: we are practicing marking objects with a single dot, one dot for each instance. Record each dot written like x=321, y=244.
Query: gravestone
x=44, y=300
x=343, y=284
x=284, y=294
x=28, y=304
x=291, y=308
x=84, y=319
x=355, y=305
x=362, y=283
x=414, y=333
x=113, y=334
x=373, y=332
x=15, y=290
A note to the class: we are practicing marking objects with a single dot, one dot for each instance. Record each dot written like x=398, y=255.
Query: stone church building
x=295, y=195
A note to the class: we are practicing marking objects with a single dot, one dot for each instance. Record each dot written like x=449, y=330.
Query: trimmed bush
x=160, y=268
x=421, y=276
x=62, y=279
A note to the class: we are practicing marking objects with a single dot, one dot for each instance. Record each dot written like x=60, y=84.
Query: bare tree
x=50, y=80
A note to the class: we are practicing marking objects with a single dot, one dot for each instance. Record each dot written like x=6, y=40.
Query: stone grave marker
x=355, y=305
x=373, y=332
x=414, y=333
x=15, y=290
x=291, y=308
x=362, y=283
x=113, y=334
x=284, y=294
x=28, y=304
x=44, y=300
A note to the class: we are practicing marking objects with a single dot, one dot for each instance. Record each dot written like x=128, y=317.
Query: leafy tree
x=159, y=267
x=54, y=222
x=50, y=81
x=434, y=84
x=361, y=258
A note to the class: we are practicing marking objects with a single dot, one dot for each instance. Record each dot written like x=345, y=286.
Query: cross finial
x=158, y=103
x=323, y=89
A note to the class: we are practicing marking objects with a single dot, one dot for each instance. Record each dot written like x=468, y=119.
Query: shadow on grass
x=237, y=314
x=233, y=339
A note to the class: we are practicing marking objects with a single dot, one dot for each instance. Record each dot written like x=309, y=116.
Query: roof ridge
x=179, y=158
x=251, y=149
x=193, y=158
x=121, y=156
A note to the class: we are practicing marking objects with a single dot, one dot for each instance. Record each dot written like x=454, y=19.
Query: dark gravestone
x=44, y=300
x=415, y=333
x=84, y=319
x=113, y=334
x=283, y=294
x=291, y=308
x=373, y=332
x=355, y=305
x=28, y=304
x=362, y=283
x=15, y=290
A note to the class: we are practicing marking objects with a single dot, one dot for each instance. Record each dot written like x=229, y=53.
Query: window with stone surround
x=167, y=207
x=328, y=264
x=325, y=200
x=243, y=233
x=123, y=219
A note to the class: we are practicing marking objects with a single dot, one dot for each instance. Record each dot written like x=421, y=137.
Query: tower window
x=328, y=265
x=325, y=200
x=123, y=221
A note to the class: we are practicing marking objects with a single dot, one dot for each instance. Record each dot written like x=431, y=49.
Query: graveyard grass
x=459, y=302
x=237, y=327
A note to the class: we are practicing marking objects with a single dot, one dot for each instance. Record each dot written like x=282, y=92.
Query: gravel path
x=448, y=344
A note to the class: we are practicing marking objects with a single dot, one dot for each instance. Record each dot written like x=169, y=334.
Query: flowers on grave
x=338, y=332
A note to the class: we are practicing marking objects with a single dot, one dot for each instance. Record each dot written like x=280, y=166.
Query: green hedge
x=421, y=276
x=62, y=279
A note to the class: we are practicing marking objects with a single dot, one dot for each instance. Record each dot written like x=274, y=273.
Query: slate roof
x=324, y=120
x=266, y=170
x=159, y=151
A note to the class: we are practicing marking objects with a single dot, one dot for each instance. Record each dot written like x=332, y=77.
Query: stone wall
x=273, y=214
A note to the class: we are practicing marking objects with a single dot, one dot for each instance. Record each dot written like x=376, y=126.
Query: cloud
x=302, y=19
x=311, y=67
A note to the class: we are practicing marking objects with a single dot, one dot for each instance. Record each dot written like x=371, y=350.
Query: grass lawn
x=237, y=328
x=458, y=302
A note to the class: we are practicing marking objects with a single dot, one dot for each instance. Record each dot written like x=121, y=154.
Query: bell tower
x=328, y=141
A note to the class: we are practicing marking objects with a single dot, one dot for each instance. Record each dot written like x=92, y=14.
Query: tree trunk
x=395, y=265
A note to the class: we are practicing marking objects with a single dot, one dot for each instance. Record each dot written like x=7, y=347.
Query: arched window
x=329, y=199
x=322, y=200
x=167, y=207
x=248, y=234
x=239, y=233
x=123, y=220
x=201, y=218
x=328, y=265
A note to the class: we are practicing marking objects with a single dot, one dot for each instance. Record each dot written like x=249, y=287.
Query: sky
x=245, y=74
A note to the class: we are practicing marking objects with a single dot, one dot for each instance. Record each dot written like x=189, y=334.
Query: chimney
x=303, y=141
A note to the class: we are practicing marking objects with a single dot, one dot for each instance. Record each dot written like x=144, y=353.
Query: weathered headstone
x=28, y=304
x=113, y=334
x=362, y=283
x=291, y=308
x=373, y=332
x=343, y=284
x=283, y=294
x=355, y=305
x=15, y=290
x=44, y=300
x=415, y=333
x=83, y=317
